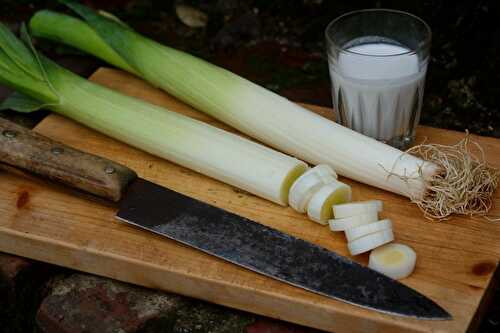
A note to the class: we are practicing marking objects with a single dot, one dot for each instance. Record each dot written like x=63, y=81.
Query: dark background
x=280, y=44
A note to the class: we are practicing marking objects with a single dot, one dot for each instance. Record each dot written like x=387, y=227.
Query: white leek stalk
x=180, y=139
x=240, y=103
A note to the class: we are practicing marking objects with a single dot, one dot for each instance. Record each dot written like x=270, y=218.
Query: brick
x=87, y=303
x=21, y=280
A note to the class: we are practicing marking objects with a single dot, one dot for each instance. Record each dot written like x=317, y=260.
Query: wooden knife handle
x=27, y=150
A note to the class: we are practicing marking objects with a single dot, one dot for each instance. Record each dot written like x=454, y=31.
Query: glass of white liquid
x=378, y=59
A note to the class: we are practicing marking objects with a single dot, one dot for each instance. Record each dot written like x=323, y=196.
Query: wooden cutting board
x=456, y=259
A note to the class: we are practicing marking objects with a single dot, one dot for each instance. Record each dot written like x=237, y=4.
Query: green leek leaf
x=22, y=103
x=77, y=31
x=21, y=67
x=41, y=69
x=111, y=30
x=19, y=54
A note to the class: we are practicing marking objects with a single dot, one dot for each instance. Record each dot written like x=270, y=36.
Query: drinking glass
x=378, y=60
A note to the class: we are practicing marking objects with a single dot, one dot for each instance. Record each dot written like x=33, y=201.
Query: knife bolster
x=27, y=150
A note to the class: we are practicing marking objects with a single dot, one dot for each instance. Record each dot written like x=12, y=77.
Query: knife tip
x=435, y=312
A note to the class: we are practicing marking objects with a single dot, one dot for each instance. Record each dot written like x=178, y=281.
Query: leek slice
x=356, y=208
x=240, y=103
x=353, y=221
x=180, y=139
x=309, y=183
x=319, y=207
x=395, y=260
x=366, y=229
x=370, y=241
x=302, y=191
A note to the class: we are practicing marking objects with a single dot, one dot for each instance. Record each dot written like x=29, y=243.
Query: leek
x=395, y=260
x=370, y=242
x=180, y=139
x=446, y=180
x=240, y=103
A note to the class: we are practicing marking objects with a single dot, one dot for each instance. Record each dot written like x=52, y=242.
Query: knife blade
x=212, y=230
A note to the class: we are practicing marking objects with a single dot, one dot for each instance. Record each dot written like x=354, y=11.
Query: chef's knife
x=210, y=229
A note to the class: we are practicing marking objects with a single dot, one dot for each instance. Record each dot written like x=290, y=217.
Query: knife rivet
x=57, y=150
x=9, y=134
x=109, y=170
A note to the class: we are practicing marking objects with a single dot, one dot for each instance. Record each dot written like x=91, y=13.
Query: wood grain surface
x=456, y=258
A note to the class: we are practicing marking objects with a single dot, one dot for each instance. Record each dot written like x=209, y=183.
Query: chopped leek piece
x=370, y=241
x=356, y=208
x=366, y=229
x=319, y=207
x=395, y=260
x=353, y=221
x=308, y=184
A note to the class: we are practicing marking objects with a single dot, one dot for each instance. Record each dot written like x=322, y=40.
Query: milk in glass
x=378, y=90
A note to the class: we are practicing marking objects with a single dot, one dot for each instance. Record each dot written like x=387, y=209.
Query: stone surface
x=87, y=303
x=20, y=284
x=201, y=317
x=10, y=268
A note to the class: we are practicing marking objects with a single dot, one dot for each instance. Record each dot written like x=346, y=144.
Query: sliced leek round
x=319, y=207
x=307, y=184
x=395, y=260
x=370, y=242
x=356, y=208
x=325, y=172
x=366, y=229
x=353, y=221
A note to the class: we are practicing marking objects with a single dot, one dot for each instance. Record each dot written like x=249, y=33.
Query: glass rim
x=425, y=43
